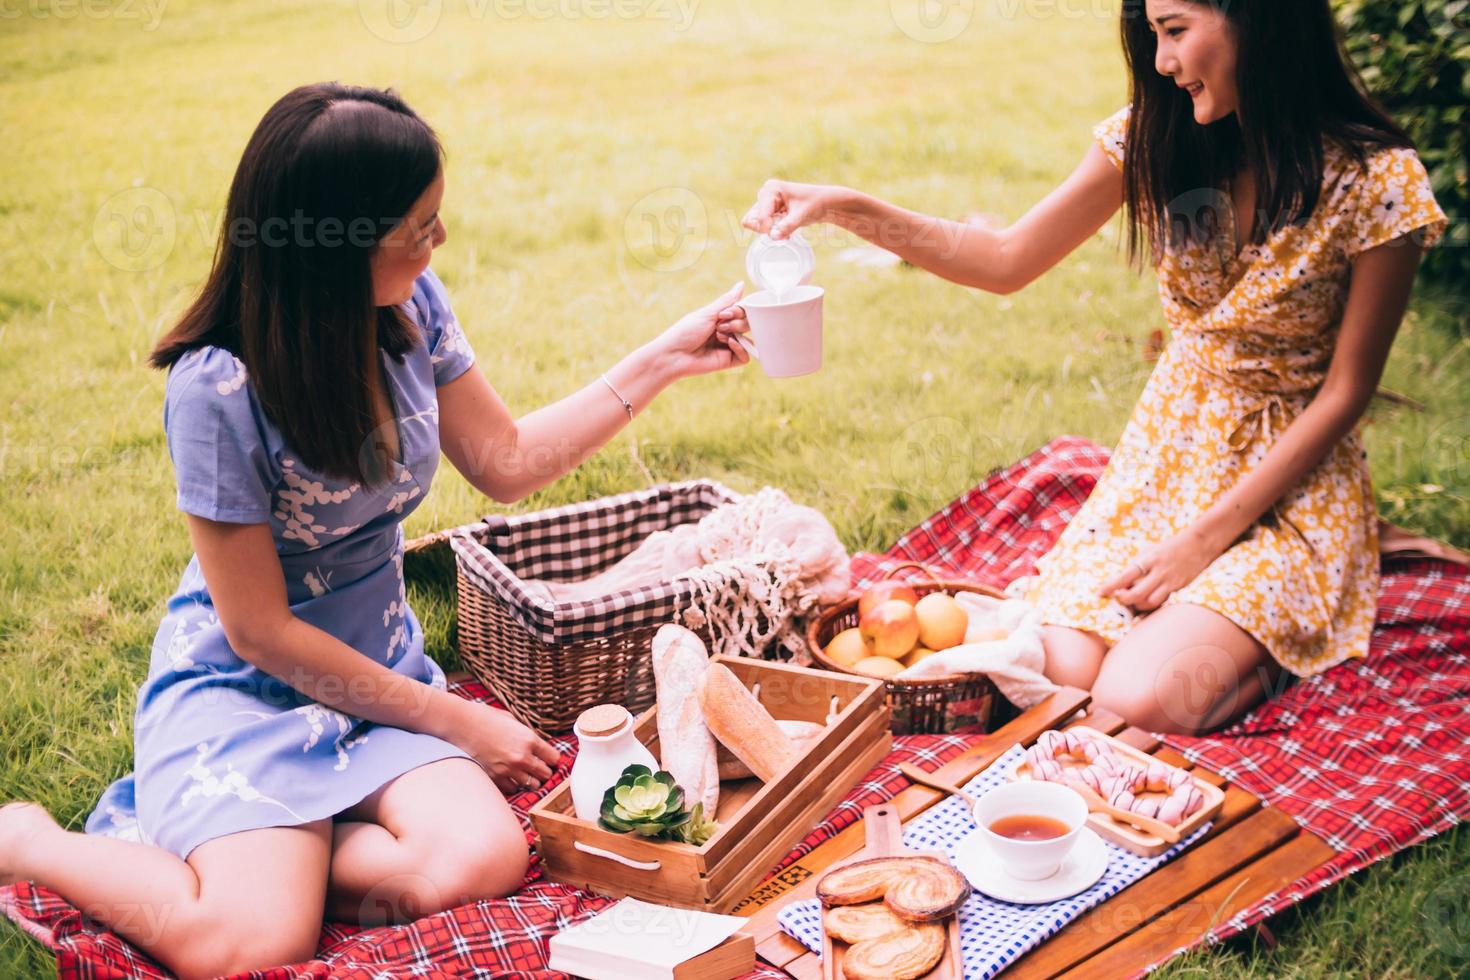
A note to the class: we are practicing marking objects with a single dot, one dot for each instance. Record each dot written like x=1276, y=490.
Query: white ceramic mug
x=787, y=330
x=1031, y=860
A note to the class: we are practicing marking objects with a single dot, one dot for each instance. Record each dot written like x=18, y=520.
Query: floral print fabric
x=1251, y=337
x=220, y=745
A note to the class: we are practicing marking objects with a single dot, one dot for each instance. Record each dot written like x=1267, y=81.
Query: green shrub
x=1415, y=59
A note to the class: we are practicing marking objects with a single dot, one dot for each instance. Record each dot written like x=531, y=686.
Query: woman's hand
x=782, y=206
x=515, y=757
x=706, y=339
x=1160, y=571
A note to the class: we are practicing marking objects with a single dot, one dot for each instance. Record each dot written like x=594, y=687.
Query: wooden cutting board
x=884, y=837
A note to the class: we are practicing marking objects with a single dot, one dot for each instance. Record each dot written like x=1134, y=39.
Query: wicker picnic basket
x=549, y=661
x=934, y=705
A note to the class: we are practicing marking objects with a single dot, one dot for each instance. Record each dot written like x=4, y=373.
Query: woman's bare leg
x=437, y=836
x=245, y=901
x=1184, y=669
x=1073, y=656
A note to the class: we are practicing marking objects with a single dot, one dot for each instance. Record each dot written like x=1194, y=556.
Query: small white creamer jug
x=607, y=746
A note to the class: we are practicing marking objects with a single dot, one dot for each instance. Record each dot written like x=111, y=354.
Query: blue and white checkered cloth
x=993, y=934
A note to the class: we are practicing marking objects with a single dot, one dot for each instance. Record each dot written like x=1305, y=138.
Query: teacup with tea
x=1031, y=826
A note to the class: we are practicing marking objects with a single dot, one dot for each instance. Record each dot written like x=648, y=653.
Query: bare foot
x=21, y=824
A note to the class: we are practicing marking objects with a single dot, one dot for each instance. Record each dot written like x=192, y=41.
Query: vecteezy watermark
x=1446, y=915
x=400, y=21
x=932, y=21
x=933, y=454
x=398, y=899
x=149, y=12
x=135, y=229
x=406, y=21
x=667, y=229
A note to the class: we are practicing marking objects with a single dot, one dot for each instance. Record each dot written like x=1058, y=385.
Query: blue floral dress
x=221, y=746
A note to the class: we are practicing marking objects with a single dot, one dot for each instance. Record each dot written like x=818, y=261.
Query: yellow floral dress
x=1251, y=337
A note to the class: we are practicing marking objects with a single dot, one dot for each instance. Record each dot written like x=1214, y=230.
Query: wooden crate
x=759, y=822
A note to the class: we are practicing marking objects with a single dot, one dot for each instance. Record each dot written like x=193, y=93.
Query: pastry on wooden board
x=916, y=889
x=905, y=955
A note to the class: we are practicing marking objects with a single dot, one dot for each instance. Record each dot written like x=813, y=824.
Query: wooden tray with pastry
x=889, y=913
x=1138, y=801
x=1250, y=851
x=766, y=748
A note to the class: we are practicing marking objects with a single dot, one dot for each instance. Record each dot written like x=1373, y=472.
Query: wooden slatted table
x=1250, y=851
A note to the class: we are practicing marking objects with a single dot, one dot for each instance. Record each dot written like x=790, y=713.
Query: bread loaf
x=803, y=733
x=743, y=725
x=686, y=747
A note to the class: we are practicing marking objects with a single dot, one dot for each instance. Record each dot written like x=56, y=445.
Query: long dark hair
x=1296, y=88
x=329, y=171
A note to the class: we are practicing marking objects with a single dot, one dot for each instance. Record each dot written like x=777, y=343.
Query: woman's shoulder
x=449, y=350
x=204, y=373
x=1112, y=135
x=1391, y=196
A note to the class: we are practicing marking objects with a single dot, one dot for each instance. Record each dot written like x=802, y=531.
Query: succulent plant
x=699, y=828
x=651, y=804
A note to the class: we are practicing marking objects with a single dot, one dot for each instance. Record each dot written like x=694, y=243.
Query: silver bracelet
x=627, y=405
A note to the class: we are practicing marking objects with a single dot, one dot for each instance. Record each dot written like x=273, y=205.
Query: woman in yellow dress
x=1233, y=534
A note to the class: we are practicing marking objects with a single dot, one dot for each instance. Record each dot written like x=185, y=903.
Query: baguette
x=743, y=725
x=686, y=748
x=803, y=733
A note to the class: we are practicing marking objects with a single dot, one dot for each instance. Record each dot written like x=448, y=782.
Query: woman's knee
x=1073, y=657
x=460, y=870
x=223, y=941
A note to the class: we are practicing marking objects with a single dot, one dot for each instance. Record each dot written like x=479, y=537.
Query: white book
x=636, y=940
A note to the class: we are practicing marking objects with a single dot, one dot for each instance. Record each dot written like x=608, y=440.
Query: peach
x=892, y=627
x=878, y=666
x=848, y=647
x=915, y=655
x=942, y=621
x=884, y=591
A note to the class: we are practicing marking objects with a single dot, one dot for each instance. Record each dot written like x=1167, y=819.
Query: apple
x=878, y=666
x=942, y=621
x=848, y=647
x=892, y=627
x=883, y=592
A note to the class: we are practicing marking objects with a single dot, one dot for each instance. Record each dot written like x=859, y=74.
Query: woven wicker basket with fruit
x=893, y=625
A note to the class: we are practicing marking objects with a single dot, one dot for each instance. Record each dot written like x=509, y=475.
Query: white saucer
x=1079, y=871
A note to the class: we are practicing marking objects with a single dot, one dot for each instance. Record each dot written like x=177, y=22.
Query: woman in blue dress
x=297, y=753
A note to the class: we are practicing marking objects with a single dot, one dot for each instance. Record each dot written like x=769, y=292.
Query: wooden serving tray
x=759, y=821
x=1135, y=840
x=885, y=839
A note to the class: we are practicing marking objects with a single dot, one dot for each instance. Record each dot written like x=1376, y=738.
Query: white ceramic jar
x=606, y=746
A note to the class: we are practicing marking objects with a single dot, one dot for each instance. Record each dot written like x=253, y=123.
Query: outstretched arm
x=995, y=260
x=507, y=458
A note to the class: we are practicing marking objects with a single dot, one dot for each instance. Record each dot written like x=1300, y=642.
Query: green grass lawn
x=598, y=166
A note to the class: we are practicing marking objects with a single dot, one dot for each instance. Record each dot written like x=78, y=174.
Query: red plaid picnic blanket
x=1371, y=756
